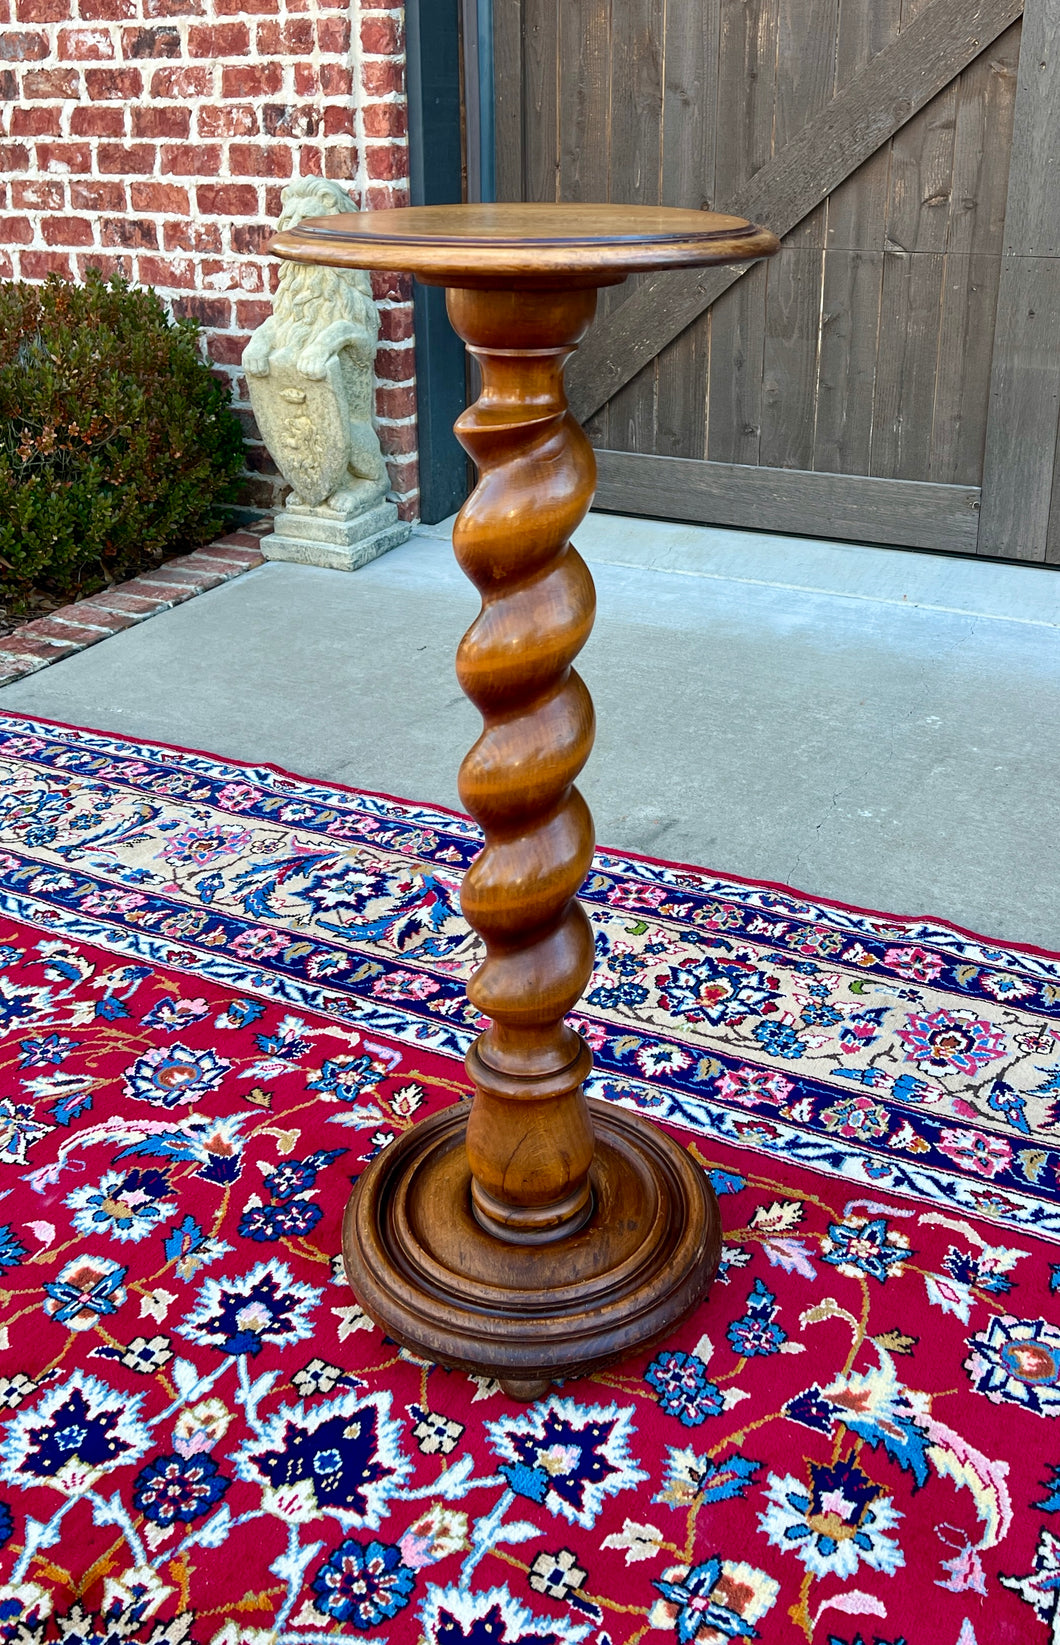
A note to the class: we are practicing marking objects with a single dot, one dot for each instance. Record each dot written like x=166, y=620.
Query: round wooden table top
x=524, y=244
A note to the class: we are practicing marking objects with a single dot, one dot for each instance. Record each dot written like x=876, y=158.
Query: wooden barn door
x=893, y=375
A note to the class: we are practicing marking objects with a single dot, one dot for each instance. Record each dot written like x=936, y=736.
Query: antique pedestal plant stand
x=538, y=1235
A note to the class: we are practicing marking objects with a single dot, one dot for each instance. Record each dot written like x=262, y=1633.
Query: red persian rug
x=223, y=989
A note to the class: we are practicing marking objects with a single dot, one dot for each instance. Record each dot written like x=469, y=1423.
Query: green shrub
x=117, y=444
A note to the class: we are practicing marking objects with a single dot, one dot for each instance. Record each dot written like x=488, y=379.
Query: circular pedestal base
x=425, y=1270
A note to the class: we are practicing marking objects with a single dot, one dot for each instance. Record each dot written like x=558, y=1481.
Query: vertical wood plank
x=585, y=121
x=508, y=96
x=747, y=61
x=690, y=124
x=541, y=110
x=636, y=171
x=986, y=95
x=1017, y=518
x=915, y=239
x=806, y=43
x=853, y=266
x=584, y=100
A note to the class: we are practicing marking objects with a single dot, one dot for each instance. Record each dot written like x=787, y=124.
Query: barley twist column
x=530, y=1137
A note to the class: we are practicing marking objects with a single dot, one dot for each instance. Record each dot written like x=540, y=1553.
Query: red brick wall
x=154, y=137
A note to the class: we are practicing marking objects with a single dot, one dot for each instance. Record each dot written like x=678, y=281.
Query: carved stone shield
x=305, y=422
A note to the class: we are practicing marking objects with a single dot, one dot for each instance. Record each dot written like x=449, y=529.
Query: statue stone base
x=330, y=536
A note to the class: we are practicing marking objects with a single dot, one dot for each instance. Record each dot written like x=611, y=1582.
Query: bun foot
x=526, y=1391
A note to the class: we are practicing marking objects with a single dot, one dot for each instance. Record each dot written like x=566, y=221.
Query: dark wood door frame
x=436, y=166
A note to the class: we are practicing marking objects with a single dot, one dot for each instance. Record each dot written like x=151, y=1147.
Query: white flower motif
x=567, y=1457
x=343, y=1458
x=834, y=1523
x=75, y=1434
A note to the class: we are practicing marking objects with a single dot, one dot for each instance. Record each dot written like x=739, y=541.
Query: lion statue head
x=312, y=197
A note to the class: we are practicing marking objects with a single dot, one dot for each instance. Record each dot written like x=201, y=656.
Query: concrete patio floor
x=861, y=723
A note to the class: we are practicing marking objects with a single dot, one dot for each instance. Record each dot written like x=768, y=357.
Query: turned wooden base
x=425, y=1270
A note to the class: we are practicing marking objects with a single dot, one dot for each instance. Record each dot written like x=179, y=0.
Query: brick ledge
x=86, y=622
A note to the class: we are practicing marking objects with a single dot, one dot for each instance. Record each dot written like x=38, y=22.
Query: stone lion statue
x=309, y=370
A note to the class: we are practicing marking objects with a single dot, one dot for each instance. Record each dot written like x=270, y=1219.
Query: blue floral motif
x=22, y=1004
x=363, y=1585
x=690, y=1478
x=172, y=1488
x=715, y=990
x=265, y=1223
x=347, y=1077
x=1040, y=1588
x=298, y=1176
x=779, y=1039
x=173, y=1015
x=626, y=990
x=19, y=1130
x=168, y=1075
x=1050, y=1503
x=971, y=1270
x=127, y=1205
x=683, y=1388
x=240, y=1014
x=239, y=1316
x=7, y=1524
x=834, y=1639
x=567, y=1457
x=86, y=1290
x=12, y=1250
x=757, y=1332
x=215, y=1145
x=834, y=1524
x=695, y=1606
x=52, y=1048
x=288, y=1043
x=77, y=1432
x=863, y=1246
x=190, y=1249
x=342, y=1458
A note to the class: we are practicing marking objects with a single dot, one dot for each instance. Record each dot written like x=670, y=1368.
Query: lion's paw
x=313, y=363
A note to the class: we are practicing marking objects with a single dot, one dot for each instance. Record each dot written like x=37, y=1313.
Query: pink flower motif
x=109, y=900
x=259, y=943
x=200, y=846
x=631, y=895
x=593, y=1033
x=977, y=1151
x=951, y=1039
x=238, y=796
x=755, y=1085
x=405, y=985
x=914, y=963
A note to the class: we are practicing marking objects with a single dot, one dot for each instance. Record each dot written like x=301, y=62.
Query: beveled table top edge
x=481, y=248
